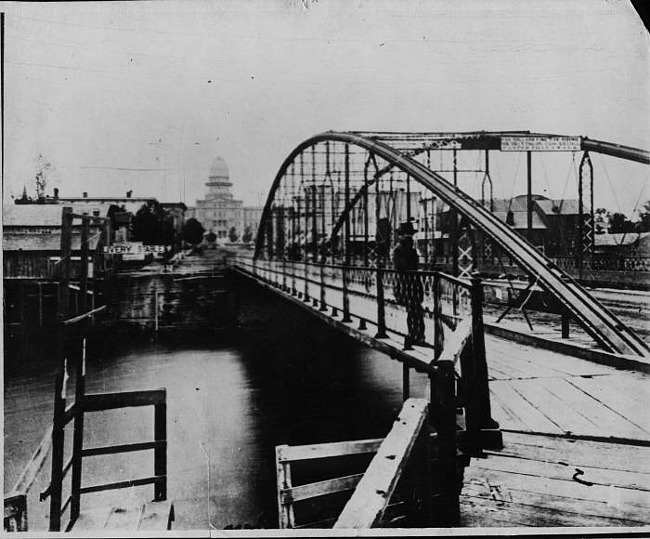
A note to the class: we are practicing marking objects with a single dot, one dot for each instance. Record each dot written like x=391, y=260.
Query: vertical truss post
x=487, y=182
x=453, y=221
x=381, y=312
x=586, y=228
x=366, y=239
x=438, y=337
x=314, y=223
x=305, y=224
x=408, y=198
x=346, y=269
x=269, y=235
x=322, y=223
x=529, y=196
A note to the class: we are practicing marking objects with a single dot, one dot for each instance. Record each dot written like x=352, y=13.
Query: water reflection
x=283, y=378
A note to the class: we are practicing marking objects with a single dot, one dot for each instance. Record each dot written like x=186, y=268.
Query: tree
x=211, y=237
x=232, y=235
x=601, y=220
x=44, y=170
x=620, y=223
x=248, y=235
x=192, y=231
x=152, y=225
x=644, y=218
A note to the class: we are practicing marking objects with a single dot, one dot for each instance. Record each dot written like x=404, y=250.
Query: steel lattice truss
x=341, y=198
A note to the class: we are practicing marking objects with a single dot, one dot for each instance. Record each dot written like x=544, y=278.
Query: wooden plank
x=553, y=470
x=122, y=448
x=525, y=366
x=562, y=363
x=28, y=475
x=503, y=415
x=110, y=401
x=488, y=513
x=559, y=407
x=294, y=453
x=286, y=516
x=157, y=516
x=580, y=512
x=526, y=412
x=122, y=484
x=612, y=456
x=368, y=502
x=320, y=488
x=588, y=500
x=85, y=315
x=603, y=418
x=626, y=393
x=91, y=520
x=124, y=518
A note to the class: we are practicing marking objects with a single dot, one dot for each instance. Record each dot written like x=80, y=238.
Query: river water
x=281, y=378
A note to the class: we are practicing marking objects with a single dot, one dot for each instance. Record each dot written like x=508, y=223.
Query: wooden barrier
x=288, y=493
x=376, y=487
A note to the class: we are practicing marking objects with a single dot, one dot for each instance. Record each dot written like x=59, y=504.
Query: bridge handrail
x=438, y=297
x=375, y=489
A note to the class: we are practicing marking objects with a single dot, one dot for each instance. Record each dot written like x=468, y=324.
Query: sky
x=144, y=95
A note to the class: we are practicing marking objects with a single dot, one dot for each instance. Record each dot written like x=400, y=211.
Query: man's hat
x=406, y=229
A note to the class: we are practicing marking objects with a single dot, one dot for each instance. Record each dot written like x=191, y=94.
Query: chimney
x=56, y=193
x=85, y=194
x=128, y=194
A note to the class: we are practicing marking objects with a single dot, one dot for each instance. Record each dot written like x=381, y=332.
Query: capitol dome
x=219, y=170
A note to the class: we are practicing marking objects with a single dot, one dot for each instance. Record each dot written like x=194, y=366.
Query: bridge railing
x=416, y=305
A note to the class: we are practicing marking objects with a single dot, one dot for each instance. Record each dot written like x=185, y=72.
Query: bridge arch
x=339, y=197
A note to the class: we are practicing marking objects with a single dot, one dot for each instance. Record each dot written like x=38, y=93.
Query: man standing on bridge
x=408, y=287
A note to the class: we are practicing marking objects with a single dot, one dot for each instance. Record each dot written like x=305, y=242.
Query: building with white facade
x=219, y=211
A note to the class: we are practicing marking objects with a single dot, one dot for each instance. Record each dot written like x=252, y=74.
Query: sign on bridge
x=540, y=144
x=133, y=250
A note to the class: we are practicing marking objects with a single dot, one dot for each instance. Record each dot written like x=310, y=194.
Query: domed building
x=219, y=211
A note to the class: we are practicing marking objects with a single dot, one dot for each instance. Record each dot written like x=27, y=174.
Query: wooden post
x=58, y=439
x=480, y=390
x=160, y=451
x=381, y=309
x=283, y=476
x=566, y=323
x=83, y=268
x=78, y=436
x=406, y=382
x=58, y=421
x=446, y=427
x=64, y=262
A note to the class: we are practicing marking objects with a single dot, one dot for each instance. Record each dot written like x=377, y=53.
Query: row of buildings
x=32, y=228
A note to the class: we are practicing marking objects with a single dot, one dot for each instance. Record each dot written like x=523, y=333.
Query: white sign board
x=540, y=144
x=133, y=250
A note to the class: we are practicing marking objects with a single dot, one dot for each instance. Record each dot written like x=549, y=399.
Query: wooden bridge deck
x=576, y=432
x=576, y=437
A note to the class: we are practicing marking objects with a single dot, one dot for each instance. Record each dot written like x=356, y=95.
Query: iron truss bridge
x=339, y=199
